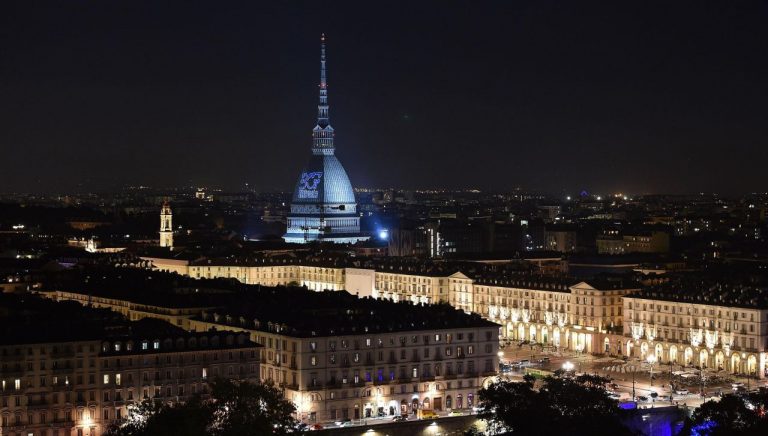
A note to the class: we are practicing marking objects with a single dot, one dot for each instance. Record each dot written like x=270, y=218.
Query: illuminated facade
x=365, y=375
x=323, y=205
x=166, y=226
x=731, y=337
x=83, y=380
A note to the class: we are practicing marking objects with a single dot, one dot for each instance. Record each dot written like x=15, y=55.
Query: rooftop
x=705, y=291
x=302, y=313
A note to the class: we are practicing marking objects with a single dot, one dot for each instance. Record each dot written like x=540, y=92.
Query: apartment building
x=340, y=357
x=695, y=323
x=75, y=370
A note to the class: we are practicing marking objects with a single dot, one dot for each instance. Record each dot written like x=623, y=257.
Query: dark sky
x=645, y=96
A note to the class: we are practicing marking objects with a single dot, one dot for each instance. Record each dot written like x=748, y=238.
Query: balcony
x=427, y=378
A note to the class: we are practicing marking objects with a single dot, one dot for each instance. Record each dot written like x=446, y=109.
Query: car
x=643, y=398
x=455, y=413
x=344, y=422
x=614, y=386
x=614, y=395
x=653, y=395
x=317, y=427
x=544, y=360
x=682, y=392
x=400, y=418
x=428, y=414
x=737, y=385
x=524, y=362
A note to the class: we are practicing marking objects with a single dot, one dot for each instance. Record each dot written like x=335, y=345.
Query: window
x=106, y=379
x=313, y=360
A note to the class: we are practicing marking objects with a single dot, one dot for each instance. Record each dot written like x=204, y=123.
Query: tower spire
x=322, y=134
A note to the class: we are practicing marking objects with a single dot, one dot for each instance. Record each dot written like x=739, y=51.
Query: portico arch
x=703, y=359
x=643, y=350
x=719, y=360
x=688, y=358
x=673, y=353
x=752, y=364
x=735, y=363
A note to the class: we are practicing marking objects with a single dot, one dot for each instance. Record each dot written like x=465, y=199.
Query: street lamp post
x=633, y=385
x=651, y=361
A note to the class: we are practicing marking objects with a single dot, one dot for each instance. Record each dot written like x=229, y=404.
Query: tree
x=562, y=405
x=732, y=415
x=235, y=408
x=242, y=408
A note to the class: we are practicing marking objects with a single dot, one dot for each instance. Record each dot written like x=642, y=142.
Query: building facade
x=366, y=375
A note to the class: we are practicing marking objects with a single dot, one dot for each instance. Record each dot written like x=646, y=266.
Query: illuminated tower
x=323, y=206
x=166, y=226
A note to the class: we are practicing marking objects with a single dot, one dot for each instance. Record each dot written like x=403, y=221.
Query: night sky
x=554, y=96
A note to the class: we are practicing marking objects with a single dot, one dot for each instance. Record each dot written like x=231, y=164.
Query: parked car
x=400, y=418
x=682, y=392
x=544, y=360
x=737, y=385
x=346, y=422
x=428, y=414
x=317, y=427
x=643, y=398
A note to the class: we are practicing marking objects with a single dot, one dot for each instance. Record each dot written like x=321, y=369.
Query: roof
x=698, y=290
x=300, y=312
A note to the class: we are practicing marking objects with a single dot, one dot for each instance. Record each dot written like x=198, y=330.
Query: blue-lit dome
x=324, y=181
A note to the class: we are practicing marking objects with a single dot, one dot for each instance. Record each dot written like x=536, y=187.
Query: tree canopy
x=561, y=405
x=732, y=415
x=232, y=409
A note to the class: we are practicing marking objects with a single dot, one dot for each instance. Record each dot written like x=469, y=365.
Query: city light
x=568, y=366
x=384, y=234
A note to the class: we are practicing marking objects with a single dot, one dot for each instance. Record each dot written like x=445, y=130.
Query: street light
x=568, y=366
x=651, y=361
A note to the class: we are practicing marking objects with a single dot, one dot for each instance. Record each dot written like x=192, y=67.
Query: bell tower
x=166, y=226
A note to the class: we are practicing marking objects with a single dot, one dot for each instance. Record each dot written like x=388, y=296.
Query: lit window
x=106, y=379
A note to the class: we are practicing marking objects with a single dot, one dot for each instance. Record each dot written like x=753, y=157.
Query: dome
x=323, y=181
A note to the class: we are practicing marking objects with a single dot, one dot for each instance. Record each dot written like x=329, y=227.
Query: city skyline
x=545, y=96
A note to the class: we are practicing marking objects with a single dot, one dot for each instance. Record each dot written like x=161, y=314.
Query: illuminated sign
x=309, y=183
